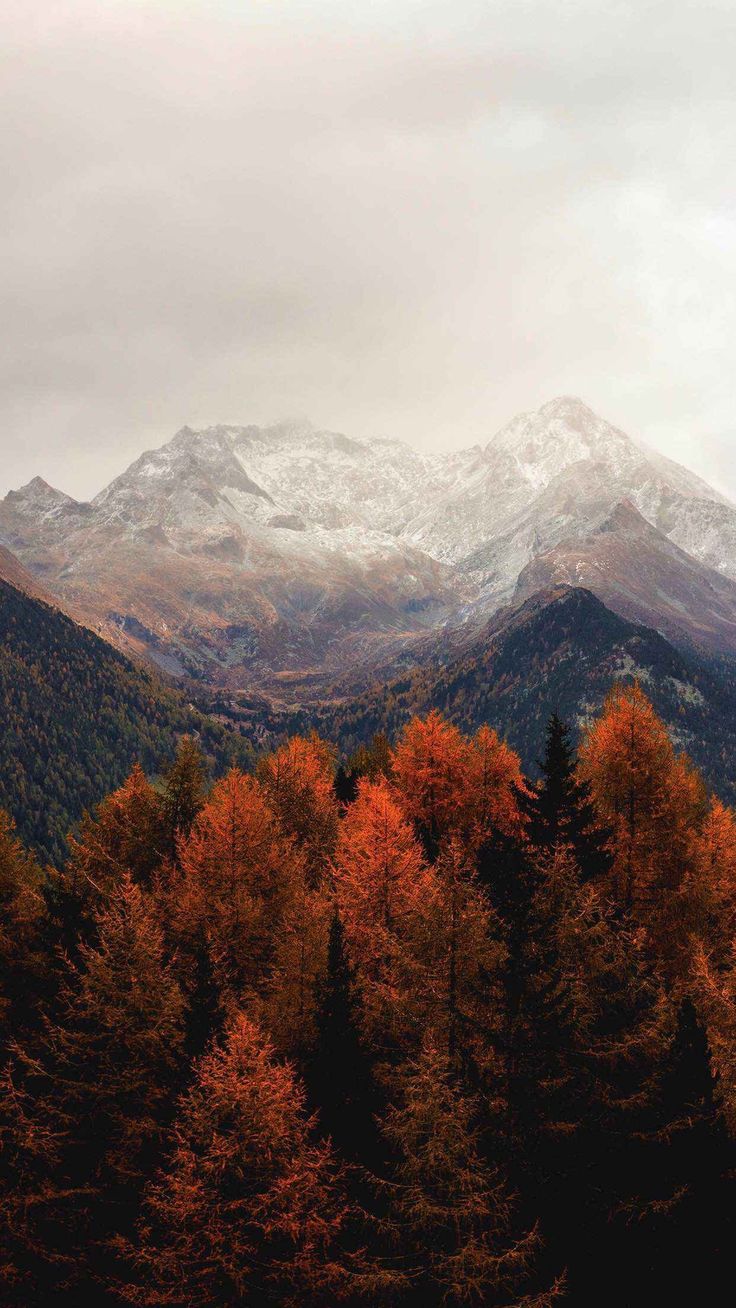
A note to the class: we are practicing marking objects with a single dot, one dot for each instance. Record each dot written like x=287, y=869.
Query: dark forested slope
x=560, y=651
x=74, y=716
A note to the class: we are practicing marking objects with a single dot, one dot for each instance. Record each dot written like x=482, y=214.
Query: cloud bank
x=406, y=219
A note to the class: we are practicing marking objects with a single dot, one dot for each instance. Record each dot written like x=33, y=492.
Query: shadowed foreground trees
x=418, y=1032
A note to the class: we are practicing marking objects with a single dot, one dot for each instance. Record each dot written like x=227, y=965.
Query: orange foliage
x=714, y=875
x=650, y=797
x=446, y=782
x=21, y=909
x=432, y=771
x=82, y=1110
x=715, y=990
x=386, y=894
x=125, y=835
x=237, y=876
x=289, y=1007
x=122, y=1031
x=449, y=1206
x=248, y=1208
x=542, y=991
x=495, y=780
x=298, y=783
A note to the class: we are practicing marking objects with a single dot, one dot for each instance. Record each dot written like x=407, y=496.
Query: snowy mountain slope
x=244, y=554
x=252, y=475
x=551, y=474
x=239, y=554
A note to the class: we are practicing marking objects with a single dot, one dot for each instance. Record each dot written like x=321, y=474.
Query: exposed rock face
x=640, y=573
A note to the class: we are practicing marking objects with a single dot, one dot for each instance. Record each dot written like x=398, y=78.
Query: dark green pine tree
x=339, y=1073
x=580, y=1047
x=686, y=1224
x=546, y=1090
x=205, y=1010
x=184, y=792
x=346, y=785
x=560, y=810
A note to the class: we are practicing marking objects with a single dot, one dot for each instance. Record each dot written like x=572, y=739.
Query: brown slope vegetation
x=76, y=714
x=13, y=572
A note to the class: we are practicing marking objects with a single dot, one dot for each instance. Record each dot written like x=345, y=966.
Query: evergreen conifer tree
x=559, y=808
x=680, y=1248
x=339, y=1075
x=84, y=1106
x=23, y=966
x=248, y=1209
x=450, y=1207
x=184, y=793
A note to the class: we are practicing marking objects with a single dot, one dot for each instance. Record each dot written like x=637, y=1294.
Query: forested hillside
x=419, y=1036
x=74, y=716
x=559, y=652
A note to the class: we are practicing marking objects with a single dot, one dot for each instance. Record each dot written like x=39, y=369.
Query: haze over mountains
x=285, y=557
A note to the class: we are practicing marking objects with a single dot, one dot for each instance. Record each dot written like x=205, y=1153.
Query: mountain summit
x=556, y=473
x=242, y=554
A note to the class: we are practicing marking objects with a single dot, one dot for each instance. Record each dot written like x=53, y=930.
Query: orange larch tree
x=288, y=1008
x=85, y=1104
x=447, y=783
x=496, y=783
x=651, y=798
x=248, y=1208
x=386, y=894
x=124, y=835
x=298, y=782
x=432, y=776
x=468, y=957
x=713, y=881
x=452, y=1211
x=22, y=911
x=237, y=874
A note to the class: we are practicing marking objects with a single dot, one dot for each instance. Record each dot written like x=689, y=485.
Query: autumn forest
x=409, y=1029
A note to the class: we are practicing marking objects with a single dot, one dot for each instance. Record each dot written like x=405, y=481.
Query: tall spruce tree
x=184, y=793
x=559, y=808
x=679, y=1250
x=452, y=1215
x=340, y=1078
x=248, y=1210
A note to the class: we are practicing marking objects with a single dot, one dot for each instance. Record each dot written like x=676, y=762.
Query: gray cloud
x=406, y=219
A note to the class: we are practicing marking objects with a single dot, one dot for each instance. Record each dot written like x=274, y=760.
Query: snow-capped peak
x=38, y=501
x=559, y=471
x=38, y=491
x=562, y=432
x=297, y=525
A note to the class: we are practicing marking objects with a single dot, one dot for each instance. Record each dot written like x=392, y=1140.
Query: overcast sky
x=410, y=218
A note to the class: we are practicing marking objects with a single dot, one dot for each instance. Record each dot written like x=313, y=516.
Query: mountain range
x=295, y=560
